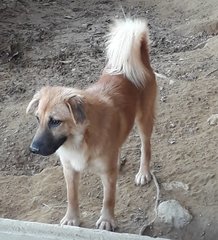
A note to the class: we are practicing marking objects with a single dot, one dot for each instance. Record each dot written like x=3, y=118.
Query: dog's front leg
x=106, y=220
x=72, y=181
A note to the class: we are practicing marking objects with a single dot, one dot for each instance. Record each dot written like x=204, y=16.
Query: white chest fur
x=72, y=158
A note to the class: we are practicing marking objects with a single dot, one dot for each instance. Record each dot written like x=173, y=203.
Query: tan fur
x=111, y=107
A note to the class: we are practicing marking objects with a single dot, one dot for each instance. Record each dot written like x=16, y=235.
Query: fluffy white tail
x=124, y=50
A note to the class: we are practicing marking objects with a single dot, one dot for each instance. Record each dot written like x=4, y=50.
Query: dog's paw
x=72, y=221
x=142, y=178
x=106, y=224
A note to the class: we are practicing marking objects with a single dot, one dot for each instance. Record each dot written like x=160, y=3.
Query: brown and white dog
x=86, y=128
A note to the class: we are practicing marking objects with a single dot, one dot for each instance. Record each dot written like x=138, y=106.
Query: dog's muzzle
x=45, y=144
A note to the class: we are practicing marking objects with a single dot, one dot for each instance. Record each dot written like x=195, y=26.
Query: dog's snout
x=45, y=144
x=34, y=149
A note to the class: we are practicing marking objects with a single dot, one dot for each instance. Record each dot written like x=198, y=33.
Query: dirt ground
x=62, y=43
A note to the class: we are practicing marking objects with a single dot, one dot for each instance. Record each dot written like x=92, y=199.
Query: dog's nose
x=34, y=149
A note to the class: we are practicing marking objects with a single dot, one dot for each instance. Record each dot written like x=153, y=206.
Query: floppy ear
x=75, y=105
x=33, y=103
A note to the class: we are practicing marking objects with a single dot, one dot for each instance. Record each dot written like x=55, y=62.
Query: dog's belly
x=71, y=158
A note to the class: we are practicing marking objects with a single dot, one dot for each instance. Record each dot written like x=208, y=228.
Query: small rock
x=171, y=82
x=175, y=185
x=172, y=125
x=67, y=17
x=171, y=141
x=172, y=213
x=98, y=196
x=159, y=75
x=213, y=120
x=86, y=25
x=85, y=214
x=154, y=44
x=46, y=4
x=163, y=99
x=66, y=61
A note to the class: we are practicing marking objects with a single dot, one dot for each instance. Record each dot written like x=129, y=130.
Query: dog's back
x=128, y=81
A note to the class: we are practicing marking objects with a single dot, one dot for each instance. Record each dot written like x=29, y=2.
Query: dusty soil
x=62, y=43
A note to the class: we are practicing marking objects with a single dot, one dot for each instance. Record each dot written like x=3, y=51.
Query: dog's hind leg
x=145, y=130
x=72, y=180
x=145, y=122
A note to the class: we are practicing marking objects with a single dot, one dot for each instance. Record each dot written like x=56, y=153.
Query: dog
x=86, y=128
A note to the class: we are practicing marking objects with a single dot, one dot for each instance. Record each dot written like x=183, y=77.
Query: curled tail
x=127, y=51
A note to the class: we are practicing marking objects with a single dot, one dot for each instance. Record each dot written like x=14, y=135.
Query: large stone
x=172, y=213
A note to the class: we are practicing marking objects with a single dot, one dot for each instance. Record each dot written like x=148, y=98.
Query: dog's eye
x=54, y=123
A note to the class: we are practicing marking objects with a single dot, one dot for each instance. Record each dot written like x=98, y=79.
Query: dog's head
x=60, y=112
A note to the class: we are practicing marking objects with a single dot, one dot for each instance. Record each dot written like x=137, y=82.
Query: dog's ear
x=75, y=105
x=33, y=103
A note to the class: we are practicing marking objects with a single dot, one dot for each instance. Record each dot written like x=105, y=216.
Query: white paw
x=106, y=224
x=72, y=221
x=142, y=178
